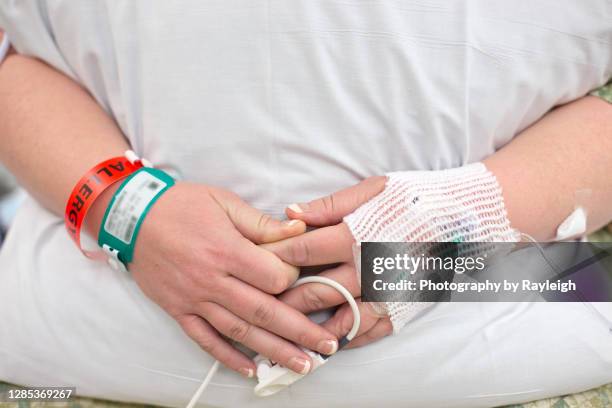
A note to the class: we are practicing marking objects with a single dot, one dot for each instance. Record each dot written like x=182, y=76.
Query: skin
x=196, y=255
x=540, y=171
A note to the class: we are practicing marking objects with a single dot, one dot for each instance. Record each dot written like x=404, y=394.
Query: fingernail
x=247, y=372
x=291, y=223
x=327, y=347
x=298, y=208
x=299, y=365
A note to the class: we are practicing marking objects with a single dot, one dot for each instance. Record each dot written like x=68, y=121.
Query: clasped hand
x=221, y=269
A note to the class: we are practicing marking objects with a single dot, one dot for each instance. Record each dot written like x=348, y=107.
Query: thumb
x=254, y=225
x=330, y=209
x=262, y=228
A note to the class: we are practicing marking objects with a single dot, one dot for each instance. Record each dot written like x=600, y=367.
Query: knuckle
x=329, y=204
x=337, y=323
x=262, y=228
x=218, y=254
x=337, y=328
x=312, y=298
x=263, y=222
x=187, y=323
x=346, y=321
x=207, y=344
x=264, y=315
x=239, y=331
x=300, y=252
x=211, y=286
x=304, y=339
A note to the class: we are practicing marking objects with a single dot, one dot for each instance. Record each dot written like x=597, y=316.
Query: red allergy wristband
x=89, y=188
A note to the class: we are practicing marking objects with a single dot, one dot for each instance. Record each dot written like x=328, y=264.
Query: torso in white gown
x=284, y=101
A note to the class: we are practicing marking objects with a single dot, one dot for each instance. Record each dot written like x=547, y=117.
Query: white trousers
x=65, y=321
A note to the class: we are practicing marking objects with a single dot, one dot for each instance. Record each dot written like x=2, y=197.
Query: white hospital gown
x=285, y=101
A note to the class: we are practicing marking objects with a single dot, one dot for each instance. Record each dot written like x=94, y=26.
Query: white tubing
x=309, y=279
x=204, y=385
x=349, y=298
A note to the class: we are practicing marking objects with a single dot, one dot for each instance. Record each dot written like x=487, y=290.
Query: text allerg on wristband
x=90, y=187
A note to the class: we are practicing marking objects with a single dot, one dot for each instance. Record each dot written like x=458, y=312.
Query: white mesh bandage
x=459, y=205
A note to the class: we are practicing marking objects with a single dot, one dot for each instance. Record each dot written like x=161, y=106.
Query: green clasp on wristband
x=128, y=209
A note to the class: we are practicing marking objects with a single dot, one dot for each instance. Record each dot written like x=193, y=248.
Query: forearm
x=52, y=130
x=540, y=171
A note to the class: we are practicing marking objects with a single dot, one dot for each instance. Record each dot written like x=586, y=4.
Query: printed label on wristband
x=130, y=203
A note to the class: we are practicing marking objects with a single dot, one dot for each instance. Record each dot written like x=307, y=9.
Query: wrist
x=89, y=189
x=463, y=204
x=127, y=210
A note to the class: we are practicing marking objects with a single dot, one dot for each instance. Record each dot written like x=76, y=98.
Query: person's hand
x=197, y=258
x=332, y=244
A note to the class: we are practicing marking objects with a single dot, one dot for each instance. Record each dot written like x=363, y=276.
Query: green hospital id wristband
x=128, y=209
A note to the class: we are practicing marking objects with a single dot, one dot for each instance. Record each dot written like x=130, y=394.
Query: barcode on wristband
x=130, y=229
x=130, y=203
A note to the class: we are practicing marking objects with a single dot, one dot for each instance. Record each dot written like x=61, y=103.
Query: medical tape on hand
x=128, y=209
x=89, y=188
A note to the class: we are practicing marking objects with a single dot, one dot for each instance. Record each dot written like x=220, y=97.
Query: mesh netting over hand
x=464, y=204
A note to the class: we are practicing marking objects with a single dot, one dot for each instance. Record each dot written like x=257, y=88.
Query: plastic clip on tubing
x=128, y=209
x=90, y=187
x=275, y=378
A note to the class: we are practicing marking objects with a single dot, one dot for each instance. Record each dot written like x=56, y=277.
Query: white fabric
x=5, y=46
x=456, y=205
x=286, y=101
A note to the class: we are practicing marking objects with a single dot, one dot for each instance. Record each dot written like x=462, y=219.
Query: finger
x=211, y=342
x=259, y=227
x=319, y=247
x=310, y=297
x=259, y=268
x=269, y=313
x=342, y=321
x=257, y=339
x=381, y=329
x=331, y=209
